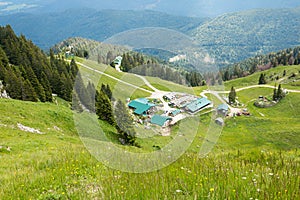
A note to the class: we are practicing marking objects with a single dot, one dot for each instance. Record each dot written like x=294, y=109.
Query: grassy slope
x=255, y=157
x=272, y=73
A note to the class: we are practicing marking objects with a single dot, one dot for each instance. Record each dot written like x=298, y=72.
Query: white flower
x=271, y=174
x=244, y=178
x=178, y=191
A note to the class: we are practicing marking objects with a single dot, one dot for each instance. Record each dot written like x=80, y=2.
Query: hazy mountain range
x=225, y=39
x=48, y=29
x=198, y=8
x=221, y=40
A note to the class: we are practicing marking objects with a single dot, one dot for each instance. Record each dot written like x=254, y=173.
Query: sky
x=196, y=8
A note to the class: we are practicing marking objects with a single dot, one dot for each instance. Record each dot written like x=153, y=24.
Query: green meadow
x=252, y=157
x=271, y=77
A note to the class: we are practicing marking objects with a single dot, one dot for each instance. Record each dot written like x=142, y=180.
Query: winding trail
x=147, y=83
x=159, y=94
x=112, y=77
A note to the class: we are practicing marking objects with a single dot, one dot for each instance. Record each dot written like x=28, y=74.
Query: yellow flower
x=233, y=190
x=211, y=189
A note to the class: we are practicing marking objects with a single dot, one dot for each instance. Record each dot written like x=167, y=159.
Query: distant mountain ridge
x=227, y=39
x=198, y=8
x=48, y=29
x=236, y=36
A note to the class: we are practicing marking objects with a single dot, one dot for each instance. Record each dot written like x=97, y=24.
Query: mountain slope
x=27, y=73
x=237, y=36
x=181, y=7
x=50, y=28
x=56, y=165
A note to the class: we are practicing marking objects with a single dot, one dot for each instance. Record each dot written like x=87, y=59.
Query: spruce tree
x=232, y=95
x=28, y=93
x=38, y=88
x=124, y=123
x=280, y=94
x=81, y=91
x=104, y=108
x=106, y=89
x=13, y=84
x=47, y=87
x=2, y=72
x=3, y=57
x=91, y=93
x=76, y=105
x=262, y=79
x=275, y=97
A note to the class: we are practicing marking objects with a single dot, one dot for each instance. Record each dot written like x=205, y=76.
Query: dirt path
x=264, y=86
x=112, y=77
x=158, y=94
x=147, y=83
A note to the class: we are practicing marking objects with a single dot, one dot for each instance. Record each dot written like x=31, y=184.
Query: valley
x=56, y=164
x=152, y=100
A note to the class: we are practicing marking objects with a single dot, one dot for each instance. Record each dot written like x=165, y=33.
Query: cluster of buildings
x=186, y=102
x=143, y=108
x=178, y=103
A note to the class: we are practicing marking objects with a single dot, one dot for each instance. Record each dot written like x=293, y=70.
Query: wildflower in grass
x=258, y=190
x=271, y=174
x=233, y=190
x=211, y=189
x=178, y=191
x=244, y=178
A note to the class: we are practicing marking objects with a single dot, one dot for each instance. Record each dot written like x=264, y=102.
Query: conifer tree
x=232, y=95
x=106, y=89
x=124, y=123
x=275, y=94
x=91, y=93
x=280, y=94
x=46, y=85
x=262, y=79
x=104, y=108
x=13, y=85
x=76, y=105
x=28, y=93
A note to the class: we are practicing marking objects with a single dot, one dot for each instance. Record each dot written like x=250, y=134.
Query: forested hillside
x=234, y=37
x=28, y=74
x=92, y=24
x=290, y=56
x=95, y=50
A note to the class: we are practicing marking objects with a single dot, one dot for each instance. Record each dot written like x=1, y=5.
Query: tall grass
x=73, y=174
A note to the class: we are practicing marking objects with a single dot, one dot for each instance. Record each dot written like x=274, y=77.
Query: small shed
x=220, y=121
x=175, y=112
x=118, y=62
x=162, y=121
x=223, y=109
x=198, y=104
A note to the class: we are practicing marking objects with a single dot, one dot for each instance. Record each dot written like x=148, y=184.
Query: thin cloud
x=5, y=3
